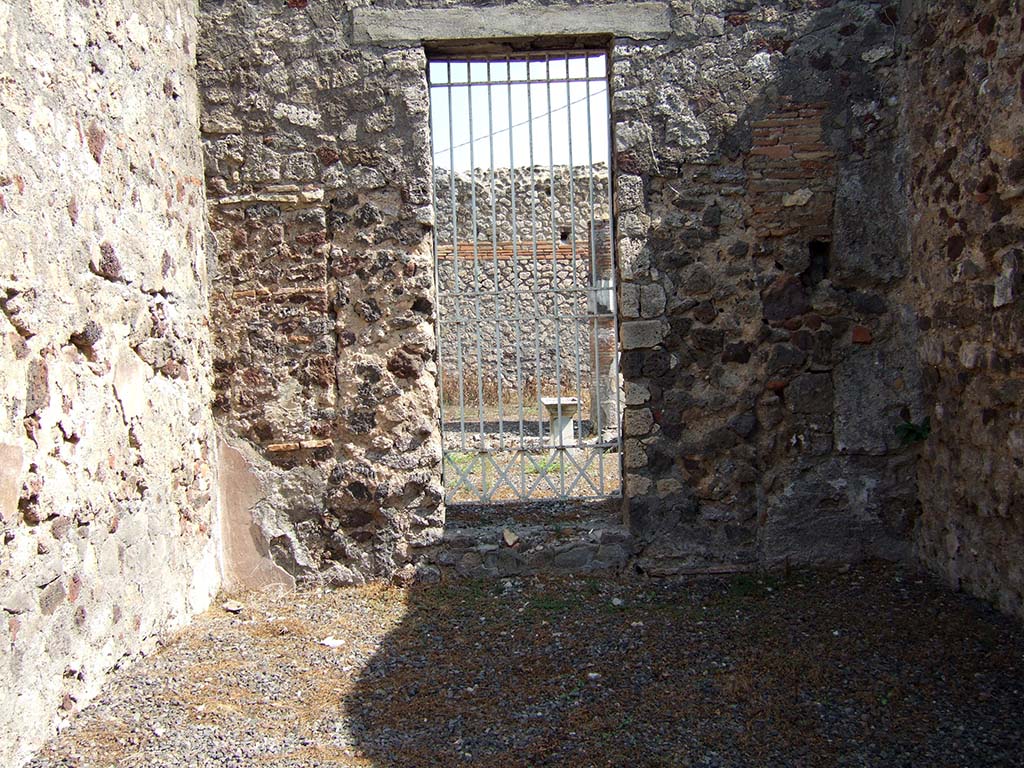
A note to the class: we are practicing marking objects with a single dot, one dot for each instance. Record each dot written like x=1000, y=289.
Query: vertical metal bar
x=516, y=287
x=554, y=269
x=457, y=302
x=497, y=272
x=593, y=282
x=476, y=270
x=575, y=265
x=533, y=243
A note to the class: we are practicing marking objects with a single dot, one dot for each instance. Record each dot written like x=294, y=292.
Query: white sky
x=582, y=90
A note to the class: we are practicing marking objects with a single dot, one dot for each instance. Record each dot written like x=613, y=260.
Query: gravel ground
x=879, y=666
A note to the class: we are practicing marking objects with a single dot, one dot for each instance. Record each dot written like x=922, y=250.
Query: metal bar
x=554, y=239
x=613, y=282
x=516, y=287
x=575, y=265
x=597, y=408
x=497, y=271
x=536, y=266
x=553, y=81
x=476, y=273
x=577, y=53
x=457, y=277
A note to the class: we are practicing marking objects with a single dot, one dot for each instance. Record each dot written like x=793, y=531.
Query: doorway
x=525, y=274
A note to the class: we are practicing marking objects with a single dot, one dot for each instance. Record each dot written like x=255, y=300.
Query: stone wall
x=542, y=342
x=535, y=317
x=105, y=436
x=767, y=350
x=965, y=121
x=574, y=203
x=767, y=356
x=318, y=176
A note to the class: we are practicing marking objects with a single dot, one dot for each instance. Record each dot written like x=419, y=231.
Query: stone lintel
x=639, y=21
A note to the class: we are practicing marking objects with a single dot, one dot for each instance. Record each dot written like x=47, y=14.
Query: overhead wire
x=533, y=119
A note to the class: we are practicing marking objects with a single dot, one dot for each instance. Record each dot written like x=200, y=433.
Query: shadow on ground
x=874, y=668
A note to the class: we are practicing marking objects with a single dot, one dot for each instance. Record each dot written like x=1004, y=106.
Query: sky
x=549, y=103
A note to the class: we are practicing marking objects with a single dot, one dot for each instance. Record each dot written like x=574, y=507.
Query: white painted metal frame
x=481, y=464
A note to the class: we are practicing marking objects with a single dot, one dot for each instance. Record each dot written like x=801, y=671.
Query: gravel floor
x=875, y=667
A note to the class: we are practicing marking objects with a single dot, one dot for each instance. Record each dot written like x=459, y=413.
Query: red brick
x=777, y=122
x=772, y=151
x=861, y=334
x=773, y=186
x=815, y=165
x=811, y=156
x=789, y=172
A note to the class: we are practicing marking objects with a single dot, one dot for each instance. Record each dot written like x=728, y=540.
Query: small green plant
x=460, y=459
x=910, y=432
x=550, y=603
x=547, y=466
x=750, y=585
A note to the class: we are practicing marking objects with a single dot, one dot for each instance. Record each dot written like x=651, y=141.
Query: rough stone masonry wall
x=761, y=209
x=965, y=120
x=105, y=431
x=762, y=244
x=572, y=198
x=575, y=207
x=318, y=176
x=534, y=335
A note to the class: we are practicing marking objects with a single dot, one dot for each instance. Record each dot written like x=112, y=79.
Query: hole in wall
x=819, y=253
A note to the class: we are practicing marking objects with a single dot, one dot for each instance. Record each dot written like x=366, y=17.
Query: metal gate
x=523, y=252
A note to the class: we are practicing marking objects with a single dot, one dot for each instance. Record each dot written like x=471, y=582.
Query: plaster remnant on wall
x=246, y=553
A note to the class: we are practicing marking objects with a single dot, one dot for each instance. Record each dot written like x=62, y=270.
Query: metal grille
x=526, y=327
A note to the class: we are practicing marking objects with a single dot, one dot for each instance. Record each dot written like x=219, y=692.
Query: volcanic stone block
x=642, y=334
x=810, y=393
x=784, y=298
